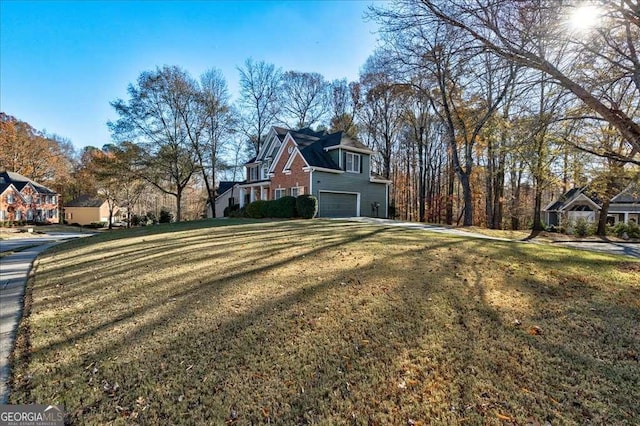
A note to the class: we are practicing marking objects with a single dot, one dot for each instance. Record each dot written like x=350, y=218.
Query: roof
x=4, y=186
x=224, y=186
x=313, y=146
x=85, y=201
x=571, y=195
x=20, y=182
x=630, y=195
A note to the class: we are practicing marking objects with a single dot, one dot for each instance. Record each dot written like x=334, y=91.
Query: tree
x=345, y=103
x=517, y=30
x=218, y=120
x=259, y=103
x=119, y=162
x=44, y=158
x=157, y=117
x=304, y=98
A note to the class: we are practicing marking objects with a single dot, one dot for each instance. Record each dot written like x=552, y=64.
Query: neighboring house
x=333, y=167
x=22, y=199
x=86, y=210
x=581, y=203
x=227, y=194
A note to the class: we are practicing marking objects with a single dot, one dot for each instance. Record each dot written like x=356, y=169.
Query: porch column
x=252, y=194
x=626, y=217
x=241, y=195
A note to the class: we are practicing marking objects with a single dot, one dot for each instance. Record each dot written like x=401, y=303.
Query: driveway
x=627, y=249
x=620, y=248
x=422, y=226
x=14, y=273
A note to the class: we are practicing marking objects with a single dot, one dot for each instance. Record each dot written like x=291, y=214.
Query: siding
x=353, y=182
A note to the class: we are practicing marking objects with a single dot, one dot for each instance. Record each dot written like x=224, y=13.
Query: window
x=53, y=199
x=10, y=199
x=3, y=215
x=279, y=193
x=265, y=171
x=296, y=191
x=352, y=162
x=28, y=199
x=253, y=174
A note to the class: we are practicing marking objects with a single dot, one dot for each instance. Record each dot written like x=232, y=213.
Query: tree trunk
x=515, y=199
x=422, y=177
x=602, y=220
x=450, y=187
x=467, y=196
x=178, y=195
x=537, y=210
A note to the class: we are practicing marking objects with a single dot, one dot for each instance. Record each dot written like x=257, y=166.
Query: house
x=331, y=166
x=581, y=203
x=227, y=194
x=22, y=199
x=86, y=210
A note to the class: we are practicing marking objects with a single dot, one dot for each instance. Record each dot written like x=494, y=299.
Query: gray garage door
x=333, y=204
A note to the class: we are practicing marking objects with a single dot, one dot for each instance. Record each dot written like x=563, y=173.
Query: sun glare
x=585, y=17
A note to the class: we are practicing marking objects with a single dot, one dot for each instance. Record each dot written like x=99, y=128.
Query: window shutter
x=361, y=156
x=344, y=161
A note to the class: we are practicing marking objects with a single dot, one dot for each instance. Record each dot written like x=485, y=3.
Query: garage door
x=334, y=204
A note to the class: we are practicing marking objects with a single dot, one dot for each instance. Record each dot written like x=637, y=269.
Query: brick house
x=22, y=199
x=333, y=167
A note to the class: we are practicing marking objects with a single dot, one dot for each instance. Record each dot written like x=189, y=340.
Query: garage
x=337, y=204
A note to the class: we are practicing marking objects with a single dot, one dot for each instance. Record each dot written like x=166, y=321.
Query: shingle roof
x=568, y=196
x=85, y=201
x=20, y=182
x=224, y=186
x=630, y=195
x=4, y=186
x=312, y=146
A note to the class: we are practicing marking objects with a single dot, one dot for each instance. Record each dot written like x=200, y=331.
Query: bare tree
x=517, y=30
x=345, y=101
x=218, y=121
x=304, y=98
x=158, y=117
x=259, y=103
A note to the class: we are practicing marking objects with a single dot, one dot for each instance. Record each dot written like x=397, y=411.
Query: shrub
x=257, y=209
x=307, y=206
x=165, y=216
x=230, y=209
x=284, y=207
x=151, y=217
x=96, y=225
x=631, y=230
x=581, y=227
x=242, y=212
x=135, y=220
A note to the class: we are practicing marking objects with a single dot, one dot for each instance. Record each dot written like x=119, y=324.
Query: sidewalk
x=14, y=273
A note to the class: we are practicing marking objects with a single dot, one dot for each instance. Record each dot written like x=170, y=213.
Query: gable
x=285, y=156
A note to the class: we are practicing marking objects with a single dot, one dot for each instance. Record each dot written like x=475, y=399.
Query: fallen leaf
x=503, y=417
x=535, y=330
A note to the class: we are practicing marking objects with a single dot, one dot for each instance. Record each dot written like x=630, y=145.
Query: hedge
x=305, y=206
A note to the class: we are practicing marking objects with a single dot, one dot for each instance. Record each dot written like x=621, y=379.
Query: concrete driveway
x=625, y=249
x=620, y=248
x=14, y=273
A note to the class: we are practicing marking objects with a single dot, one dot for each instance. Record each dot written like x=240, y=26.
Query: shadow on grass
x=370, y=325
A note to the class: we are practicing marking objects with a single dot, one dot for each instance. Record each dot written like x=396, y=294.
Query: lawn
x=325, y=322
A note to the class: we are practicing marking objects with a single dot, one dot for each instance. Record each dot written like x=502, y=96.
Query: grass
x=324, y=322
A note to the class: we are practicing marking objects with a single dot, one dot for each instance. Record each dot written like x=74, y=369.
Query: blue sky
x=61, y=63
